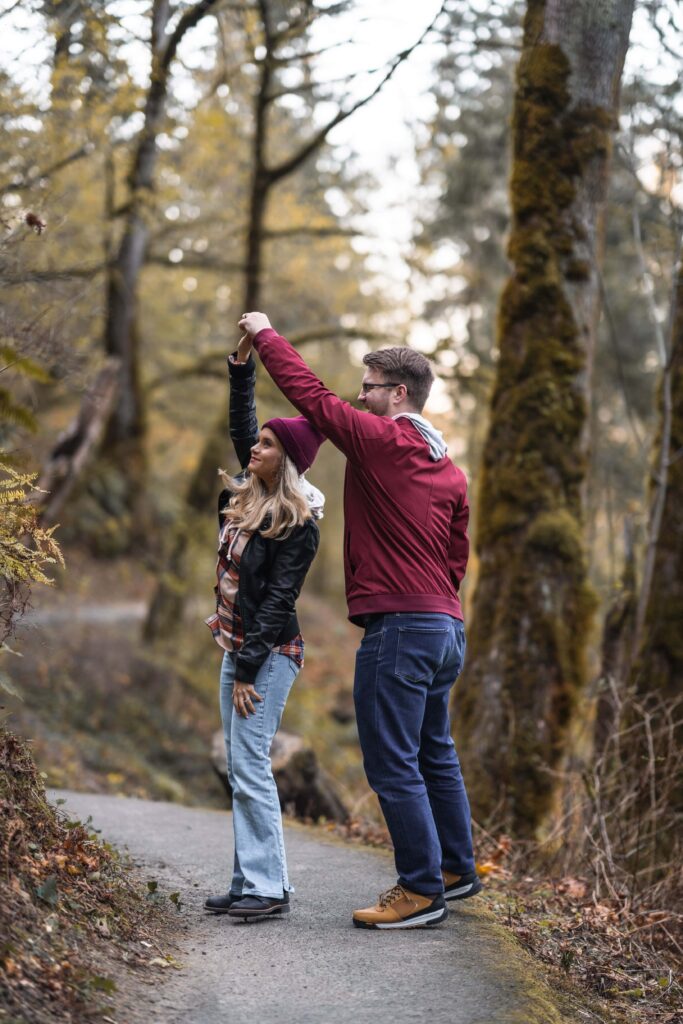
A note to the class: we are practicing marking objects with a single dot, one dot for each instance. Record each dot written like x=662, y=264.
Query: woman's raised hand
x=244, y=348
x=252, y=323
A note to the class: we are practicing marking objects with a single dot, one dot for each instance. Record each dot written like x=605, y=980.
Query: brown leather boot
x=400, y=908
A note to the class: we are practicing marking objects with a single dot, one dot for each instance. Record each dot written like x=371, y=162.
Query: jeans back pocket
x=420, y=652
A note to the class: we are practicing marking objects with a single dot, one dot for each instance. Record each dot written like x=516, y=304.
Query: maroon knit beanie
x=299, y=438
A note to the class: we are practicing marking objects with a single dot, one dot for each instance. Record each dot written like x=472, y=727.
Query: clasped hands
x=250, y=324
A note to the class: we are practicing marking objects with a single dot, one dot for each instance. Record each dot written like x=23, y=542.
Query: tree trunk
x=657, y=675
x=124, y=440
x=168, y=601
x=126, y=426
x=615, y=660
x=533, y=605
x=660, y=664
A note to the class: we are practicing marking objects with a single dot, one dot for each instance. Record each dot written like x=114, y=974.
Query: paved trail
x=311, y=967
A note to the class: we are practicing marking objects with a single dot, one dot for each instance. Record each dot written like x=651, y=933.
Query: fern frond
x=27, y=367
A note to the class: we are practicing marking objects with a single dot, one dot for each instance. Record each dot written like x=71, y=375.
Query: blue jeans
x=260, y=867
x=405, y=668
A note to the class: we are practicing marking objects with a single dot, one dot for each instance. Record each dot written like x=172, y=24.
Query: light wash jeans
x=260, y=865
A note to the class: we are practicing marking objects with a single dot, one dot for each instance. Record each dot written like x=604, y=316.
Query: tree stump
x=305, y=789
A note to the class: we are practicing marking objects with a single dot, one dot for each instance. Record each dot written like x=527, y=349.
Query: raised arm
x=348, y=429
x=243, y=422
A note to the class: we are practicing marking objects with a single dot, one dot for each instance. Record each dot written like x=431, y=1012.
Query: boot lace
x=391, y=896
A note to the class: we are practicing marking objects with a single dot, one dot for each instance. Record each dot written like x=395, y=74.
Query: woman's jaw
x=266, y=458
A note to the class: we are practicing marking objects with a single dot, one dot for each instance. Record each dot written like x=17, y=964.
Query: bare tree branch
x=309, y=86
x=193, y=261
x=64, y=273
x=22, y=183
x=212, y=364
x=310, y=14
x=299, y=58
x=286, y=167
x=11, y=8
x=311, y=231
x=190, y=18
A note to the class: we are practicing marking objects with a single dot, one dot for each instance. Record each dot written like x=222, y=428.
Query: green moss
x=557, y=533
x=533, y=459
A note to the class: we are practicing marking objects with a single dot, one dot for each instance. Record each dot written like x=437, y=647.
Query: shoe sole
x=463, y=892
x=221, y=910
x=421, y=921
x=247, y=914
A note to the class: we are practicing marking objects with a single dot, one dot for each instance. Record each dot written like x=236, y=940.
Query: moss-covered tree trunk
x=533, y=606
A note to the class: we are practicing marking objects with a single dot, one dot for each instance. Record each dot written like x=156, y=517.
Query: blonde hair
x=251, y=502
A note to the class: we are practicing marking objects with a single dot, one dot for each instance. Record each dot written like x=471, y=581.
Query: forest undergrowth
x=71, y=912
x=624, y=954
x=600, y=900
x=108, y=716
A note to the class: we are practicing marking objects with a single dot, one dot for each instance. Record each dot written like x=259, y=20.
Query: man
x=405, y=553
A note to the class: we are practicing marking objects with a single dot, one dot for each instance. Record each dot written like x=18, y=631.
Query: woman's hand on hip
x=243, y=697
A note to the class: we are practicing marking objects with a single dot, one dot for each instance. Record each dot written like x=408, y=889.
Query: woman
x=267, y=541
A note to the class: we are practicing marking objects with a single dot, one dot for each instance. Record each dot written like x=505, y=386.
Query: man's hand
x=243, y=697
x=252, y=323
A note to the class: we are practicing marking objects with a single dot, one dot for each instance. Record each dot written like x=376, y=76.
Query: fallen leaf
x=575, y=888
x=48, y=890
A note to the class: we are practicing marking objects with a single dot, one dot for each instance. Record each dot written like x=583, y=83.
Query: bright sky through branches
x=380, y=138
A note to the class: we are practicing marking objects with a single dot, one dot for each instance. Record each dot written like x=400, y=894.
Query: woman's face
x=266, y=458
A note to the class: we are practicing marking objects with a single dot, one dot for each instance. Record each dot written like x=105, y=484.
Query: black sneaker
x=461, y=887
x=221, y=904
x=259, y=906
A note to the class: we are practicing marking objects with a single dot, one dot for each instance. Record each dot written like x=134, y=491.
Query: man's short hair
x=404, y=366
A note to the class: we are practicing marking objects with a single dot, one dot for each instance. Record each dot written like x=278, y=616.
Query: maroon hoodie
x=405, y=539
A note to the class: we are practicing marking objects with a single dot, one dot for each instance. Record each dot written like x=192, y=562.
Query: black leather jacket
x=271, y=571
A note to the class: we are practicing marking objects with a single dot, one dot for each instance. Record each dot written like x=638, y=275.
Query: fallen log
x=305, y=789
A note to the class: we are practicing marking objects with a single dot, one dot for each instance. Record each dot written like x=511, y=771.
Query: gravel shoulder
x=311, y=967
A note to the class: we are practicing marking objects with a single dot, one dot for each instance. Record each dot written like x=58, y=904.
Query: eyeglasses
x=369, y=387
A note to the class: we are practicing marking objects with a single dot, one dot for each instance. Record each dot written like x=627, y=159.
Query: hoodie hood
x=314, y=497
x=433, y=437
